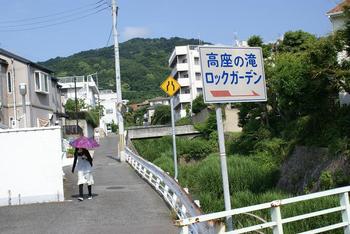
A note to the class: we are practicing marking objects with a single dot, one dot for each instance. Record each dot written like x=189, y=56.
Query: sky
x=42, y=29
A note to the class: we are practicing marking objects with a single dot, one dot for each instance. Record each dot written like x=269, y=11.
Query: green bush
x=326, y=180
x=195, y=149
x=165, y=162
x=150, y=149
x=184, y=121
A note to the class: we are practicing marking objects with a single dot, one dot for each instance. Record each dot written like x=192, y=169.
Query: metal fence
x=277, y=222
x=173, y=194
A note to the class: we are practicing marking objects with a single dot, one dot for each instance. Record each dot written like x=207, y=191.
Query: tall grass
x=252, y=180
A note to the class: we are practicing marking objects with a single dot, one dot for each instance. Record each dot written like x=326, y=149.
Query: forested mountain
x=143, y=64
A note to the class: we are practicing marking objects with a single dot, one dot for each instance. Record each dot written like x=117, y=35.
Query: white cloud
x=132, y=32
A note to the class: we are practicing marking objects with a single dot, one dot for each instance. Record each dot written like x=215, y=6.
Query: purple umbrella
x=84, y=142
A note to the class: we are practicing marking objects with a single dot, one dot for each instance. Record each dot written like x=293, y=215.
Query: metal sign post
x=231, y=75
x=171, y=86
x=174, y=135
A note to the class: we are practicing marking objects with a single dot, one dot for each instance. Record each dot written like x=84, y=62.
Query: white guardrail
x=277, y=222
x=173, y=194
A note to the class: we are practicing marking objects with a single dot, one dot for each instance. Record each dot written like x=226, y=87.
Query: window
x=183, y=74
x=41, y=82
x=109, y=111
x=198, y=76
x=185, y=90
x=12, y=122
x=9, y=83
x=196, y=61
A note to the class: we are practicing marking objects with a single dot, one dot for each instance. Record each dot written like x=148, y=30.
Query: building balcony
x=179, y=50
x=182, y=67
x=182, y=98
x=185, y=97
x=184, y=81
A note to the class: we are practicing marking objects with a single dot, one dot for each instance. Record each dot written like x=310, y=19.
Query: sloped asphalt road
x=122, y=203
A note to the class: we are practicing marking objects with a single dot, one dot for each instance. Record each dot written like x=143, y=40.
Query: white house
x=185, y=65
x=153, y=103
x=108, y=99
x=337, y=18
x=336, y=15
x=86, y=89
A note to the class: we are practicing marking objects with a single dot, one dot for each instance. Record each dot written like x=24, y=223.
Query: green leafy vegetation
x=83, y=111
x=162, y=115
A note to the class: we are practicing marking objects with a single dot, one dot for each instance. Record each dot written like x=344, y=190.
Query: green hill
x=143, y=65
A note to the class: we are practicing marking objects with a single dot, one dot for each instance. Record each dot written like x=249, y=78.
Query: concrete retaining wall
x=30, y=166
x=159, y=131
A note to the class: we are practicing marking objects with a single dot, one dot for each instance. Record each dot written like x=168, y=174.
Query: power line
x=49, y=20
x=109, y=37
x=54, y=24
x=53, y=14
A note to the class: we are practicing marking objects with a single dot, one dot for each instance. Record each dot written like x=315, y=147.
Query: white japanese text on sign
x=232, y=74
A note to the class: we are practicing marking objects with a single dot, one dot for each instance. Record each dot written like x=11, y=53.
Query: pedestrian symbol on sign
x=170, y=86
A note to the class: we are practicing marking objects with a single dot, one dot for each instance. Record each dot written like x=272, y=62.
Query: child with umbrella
x=83, y=163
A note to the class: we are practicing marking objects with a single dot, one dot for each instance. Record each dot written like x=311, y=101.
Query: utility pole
x=76, y=104
x=121, y=144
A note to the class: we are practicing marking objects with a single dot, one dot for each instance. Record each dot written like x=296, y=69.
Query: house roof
x=24, y=60
x=2, y=61
x=339, y=8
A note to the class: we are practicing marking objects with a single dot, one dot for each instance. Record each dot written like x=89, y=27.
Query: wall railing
x=173, y=194
x=276, y=221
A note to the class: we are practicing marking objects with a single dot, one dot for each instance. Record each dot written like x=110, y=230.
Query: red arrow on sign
x=226, y=93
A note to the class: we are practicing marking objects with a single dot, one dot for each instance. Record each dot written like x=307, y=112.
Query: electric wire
x=54, y=24
x=109, y=37
x=82, y=8
x=47, y=21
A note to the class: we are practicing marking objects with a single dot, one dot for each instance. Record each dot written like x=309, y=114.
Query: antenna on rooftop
x=235, y=38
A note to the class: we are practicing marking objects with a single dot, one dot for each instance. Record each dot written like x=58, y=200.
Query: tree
x=162, y=115
x=70, y=105
x=198, y=104
x=297, y=41
x=303, y=81
x=255, y=41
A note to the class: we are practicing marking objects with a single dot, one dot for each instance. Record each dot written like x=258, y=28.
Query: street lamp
x=23, y=92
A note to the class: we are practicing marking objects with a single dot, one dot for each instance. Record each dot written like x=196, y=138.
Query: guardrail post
x=150, y=177
x=145, y=172
x=174, y=200
x=345, y=214
x=157, y=184
x=165, y=193
x=183, y=211
x=184, y=230
x=276, y=217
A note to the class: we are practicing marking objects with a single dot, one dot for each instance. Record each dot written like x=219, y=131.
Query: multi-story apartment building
x=86, y=89
x=29, y=94
x=185, y=65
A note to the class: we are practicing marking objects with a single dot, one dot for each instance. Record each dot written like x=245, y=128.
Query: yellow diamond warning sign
x=170, y=86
